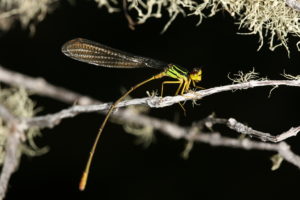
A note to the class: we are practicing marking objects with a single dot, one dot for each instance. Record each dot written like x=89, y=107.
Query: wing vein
x=101, y=55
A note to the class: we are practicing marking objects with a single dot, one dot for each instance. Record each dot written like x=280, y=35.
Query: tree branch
x=246, y=130
x=41, y=87
x=191, y=134
x=195, y=134
x=157, y=102
x=12, y=144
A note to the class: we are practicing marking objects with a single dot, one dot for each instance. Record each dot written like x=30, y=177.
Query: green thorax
x=176, y=72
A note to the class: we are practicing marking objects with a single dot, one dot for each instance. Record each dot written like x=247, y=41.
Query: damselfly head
x=196, y=74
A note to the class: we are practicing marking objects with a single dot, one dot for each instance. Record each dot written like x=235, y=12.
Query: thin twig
x=246, y=130
x=241, y=128
x=41, y=87
x=283, y=149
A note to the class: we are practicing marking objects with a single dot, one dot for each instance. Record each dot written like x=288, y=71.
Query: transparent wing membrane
x=101, y=55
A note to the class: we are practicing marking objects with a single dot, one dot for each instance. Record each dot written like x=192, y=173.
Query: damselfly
x=98, y=54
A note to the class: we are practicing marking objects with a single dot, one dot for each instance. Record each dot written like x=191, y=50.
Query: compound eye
x=197, y=71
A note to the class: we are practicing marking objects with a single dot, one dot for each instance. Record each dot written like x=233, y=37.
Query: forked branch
x=195, y=133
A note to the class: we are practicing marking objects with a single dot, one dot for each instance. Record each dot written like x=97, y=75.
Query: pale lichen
x=276, y=161
x=109, y=5
x=273, y=20
x=291, y=77
x=144, y=134
x=185, y=154
x=17, y=101
x=27, y=12
x=241, y=77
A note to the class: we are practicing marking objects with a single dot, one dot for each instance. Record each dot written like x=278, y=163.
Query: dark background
x=123, y=170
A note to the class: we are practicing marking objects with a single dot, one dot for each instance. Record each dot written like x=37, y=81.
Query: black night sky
x=122, y=169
